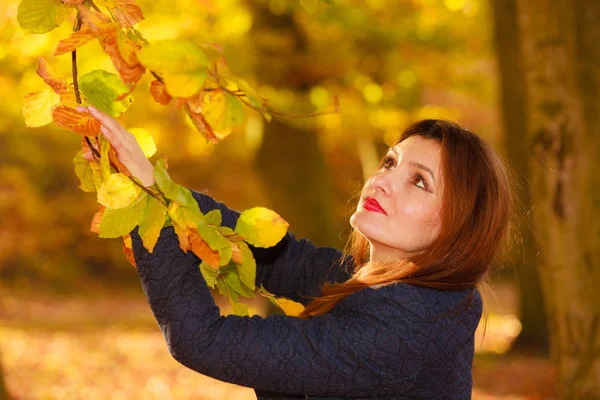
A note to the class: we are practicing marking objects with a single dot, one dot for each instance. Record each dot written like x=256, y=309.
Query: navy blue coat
x=392, y=342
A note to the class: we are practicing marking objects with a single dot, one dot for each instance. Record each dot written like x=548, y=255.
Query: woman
x=393, y=317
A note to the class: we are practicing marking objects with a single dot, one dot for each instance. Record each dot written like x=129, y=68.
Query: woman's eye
x=388, y=162
x=419, y=178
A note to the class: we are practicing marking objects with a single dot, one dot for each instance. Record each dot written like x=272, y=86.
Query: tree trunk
x=561, y=65
x=534, y=333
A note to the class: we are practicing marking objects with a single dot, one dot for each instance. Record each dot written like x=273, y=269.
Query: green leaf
x=247, y=269
x=213, y=217
x=261, y=227
x=211, y=235
x=41, y=16
x=216, y=241
x=101, y=88
x=121, y=221
x=210, y=275
x=234, y=282
x=170, y=189
x=152, y=222
x=84, y=172
x=225, y=290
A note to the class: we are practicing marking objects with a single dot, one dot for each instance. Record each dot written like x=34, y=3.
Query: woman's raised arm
x=294, y=268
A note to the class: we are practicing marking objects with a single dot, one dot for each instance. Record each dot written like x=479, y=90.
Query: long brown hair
x=476, y=223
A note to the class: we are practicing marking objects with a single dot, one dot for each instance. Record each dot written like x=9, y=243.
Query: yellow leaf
x=145, y=140
x=289, y=307
x=152, y=222
x=261, y=227
x=184, y=84
x=117, y=191
x=37, y=107
x=222, y=111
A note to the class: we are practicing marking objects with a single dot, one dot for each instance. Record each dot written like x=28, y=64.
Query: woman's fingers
x=110, y=127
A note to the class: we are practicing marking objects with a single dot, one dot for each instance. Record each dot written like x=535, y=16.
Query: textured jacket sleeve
x=294, y=268
x=335, y=354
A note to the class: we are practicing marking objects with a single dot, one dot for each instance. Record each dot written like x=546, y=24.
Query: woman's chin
x=361, y=222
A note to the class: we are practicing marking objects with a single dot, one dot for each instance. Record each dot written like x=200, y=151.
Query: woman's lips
x=369, y=203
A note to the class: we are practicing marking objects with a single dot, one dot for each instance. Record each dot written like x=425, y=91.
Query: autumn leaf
x=213, y=217
x=118, y=191
x=159, y=93
x=95, y=225
x=152, y=222
x=41, y=16
x=80, y=122
x=127, y=13
x=123, y=54
x=145, y=140
x=209, y=273
x=128, y=249
x=203, y=251
x=50, y=76
x=96, y=21
x=261, y=227
x=121, y=221
x=289, y=307
x=37, y=107
x=181, y=64
x=101, y=88
x=76, y=40
x=246, y=264
x=84, y=172
x=202, y=125
x=222, y=111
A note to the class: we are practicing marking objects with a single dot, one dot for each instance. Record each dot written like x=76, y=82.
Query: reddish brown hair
x=476, y=223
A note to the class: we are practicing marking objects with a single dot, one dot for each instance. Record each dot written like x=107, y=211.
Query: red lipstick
x=369, y=203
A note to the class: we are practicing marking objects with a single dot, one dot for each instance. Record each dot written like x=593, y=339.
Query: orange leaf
x=76, y=40
x=202, y=125
x=49, y=75
x=72, y=2
x=95, y=226
x=159, y=93
x=127, y=13
x=203, y=250
x=67, y=97
x=195, y=102
x=112, y=155
x=80, y=122
x=95, y=21
x=128, y=73
x=128, y=249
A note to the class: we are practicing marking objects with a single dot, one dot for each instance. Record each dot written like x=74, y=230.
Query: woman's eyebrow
x=416, y=164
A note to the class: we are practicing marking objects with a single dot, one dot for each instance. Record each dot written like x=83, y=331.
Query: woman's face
x=401, y=214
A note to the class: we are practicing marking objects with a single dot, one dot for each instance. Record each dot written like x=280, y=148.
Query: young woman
x=393, y=317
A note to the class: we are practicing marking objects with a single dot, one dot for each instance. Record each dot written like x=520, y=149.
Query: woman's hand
x=126, y=146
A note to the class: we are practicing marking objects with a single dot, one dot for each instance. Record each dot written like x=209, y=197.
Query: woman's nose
x=381, y=183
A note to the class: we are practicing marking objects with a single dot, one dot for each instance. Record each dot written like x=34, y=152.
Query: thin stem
x=94, y=6
x=275, y=113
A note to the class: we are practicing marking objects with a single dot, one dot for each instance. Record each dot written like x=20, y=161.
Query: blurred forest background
x=73, y=318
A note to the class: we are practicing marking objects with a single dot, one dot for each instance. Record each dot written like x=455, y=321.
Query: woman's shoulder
x=419, y=303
